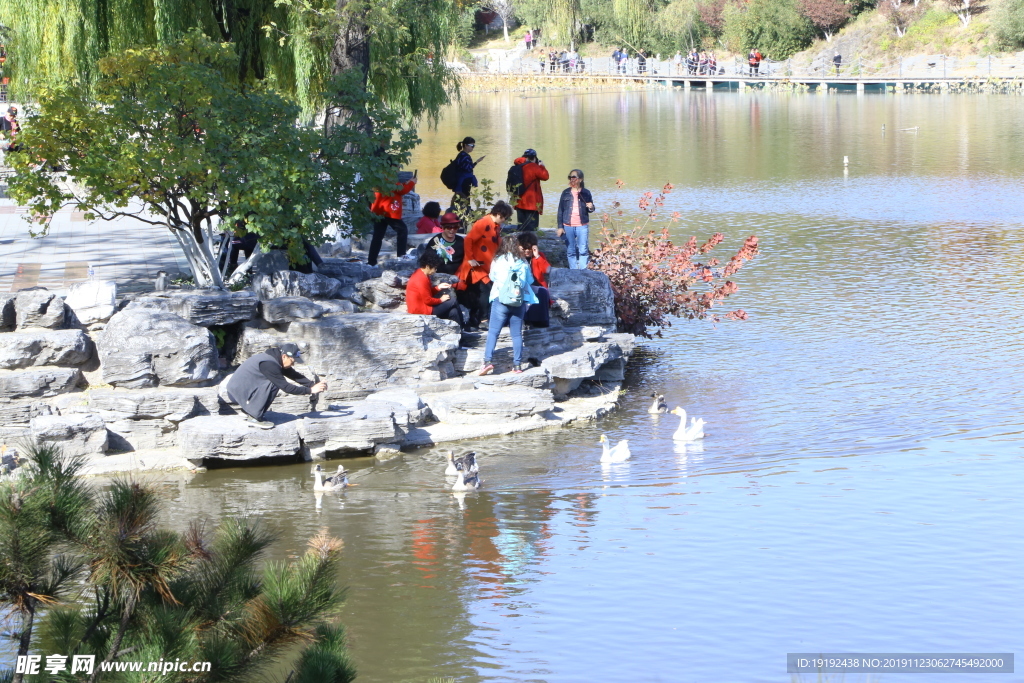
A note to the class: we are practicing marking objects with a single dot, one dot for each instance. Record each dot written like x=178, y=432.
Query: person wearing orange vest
x=531, y=203
x=389, y=210
x=474, y=286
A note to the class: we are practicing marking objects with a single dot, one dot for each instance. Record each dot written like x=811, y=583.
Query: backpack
x=511, y=291
x=514, y=182
x=450, y=175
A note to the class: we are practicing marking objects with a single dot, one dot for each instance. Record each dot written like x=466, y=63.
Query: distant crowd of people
x=501, y=279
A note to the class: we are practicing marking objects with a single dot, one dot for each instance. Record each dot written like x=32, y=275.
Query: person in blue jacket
x=574, y=209
x=511, y=296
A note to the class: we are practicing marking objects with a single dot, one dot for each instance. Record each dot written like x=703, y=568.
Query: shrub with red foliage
x=654, y=280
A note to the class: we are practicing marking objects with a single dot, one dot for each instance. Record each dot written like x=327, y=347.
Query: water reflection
x=864, y=431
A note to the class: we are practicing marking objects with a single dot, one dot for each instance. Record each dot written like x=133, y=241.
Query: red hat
x=450, y=218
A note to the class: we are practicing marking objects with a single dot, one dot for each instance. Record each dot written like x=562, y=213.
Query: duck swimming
x=620, y=453
x=467, y=479
x=468, y=459
x=659, y=405
x=335, y=482
x=693, y=432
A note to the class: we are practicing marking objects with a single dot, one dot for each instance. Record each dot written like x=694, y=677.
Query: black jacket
x=256, y=382
x=453, y=260
x=565, y=206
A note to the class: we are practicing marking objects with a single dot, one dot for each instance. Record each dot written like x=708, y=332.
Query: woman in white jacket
x=511, y=294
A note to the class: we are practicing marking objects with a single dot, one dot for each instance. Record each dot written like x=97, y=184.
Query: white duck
x=468, y=480
x=691, y=432
x=620, y=453
x=335, y=482
x=659, y=406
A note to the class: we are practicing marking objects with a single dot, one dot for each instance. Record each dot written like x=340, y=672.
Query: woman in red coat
x=388, y=209
x=481, y=244
x=423, y=298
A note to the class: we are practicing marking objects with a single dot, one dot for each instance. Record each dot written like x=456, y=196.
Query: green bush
x=1009, y=22
x=775, y=27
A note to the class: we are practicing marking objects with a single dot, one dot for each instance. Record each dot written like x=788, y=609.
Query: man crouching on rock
x=255, y=384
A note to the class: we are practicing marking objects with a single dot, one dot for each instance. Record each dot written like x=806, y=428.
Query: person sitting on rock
x=538, y=314
x=257, y=381
x=423, y=298
x=430, y=222
x=449, y=245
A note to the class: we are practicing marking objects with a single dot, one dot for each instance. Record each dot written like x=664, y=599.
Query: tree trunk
x=200, y=257
x=350, y=52
x=25, y=637
x=122, y=628
x=504, y=26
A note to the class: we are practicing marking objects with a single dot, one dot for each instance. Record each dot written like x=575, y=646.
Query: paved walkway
x=125, y=250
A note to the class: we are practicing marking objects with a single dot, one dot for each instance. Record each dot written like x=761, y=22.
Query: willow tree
x=634, y=19
x=396, y=46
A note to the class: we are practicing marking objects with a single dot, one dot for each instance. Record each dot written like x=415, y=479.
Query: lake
x=858, y=490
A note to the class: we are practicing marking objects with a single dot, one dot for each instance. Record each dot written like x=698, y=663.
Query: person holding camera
x=530, y=203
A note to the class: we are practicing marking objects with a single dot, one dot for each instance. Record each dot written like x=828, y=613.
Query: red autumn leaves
x=654, y=280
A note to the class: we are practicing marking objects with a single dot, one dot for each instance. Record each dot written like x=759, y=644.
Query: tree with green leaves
x=775, y=27
x=116, y=586
x=175, y=140
x=397, y=47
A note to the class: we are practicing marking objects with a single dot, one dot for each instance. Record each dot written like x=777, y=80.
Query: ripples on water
x=859, y=487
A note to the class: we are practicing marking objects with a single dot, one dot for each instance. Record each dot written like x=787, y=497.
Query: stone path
x=125, y=250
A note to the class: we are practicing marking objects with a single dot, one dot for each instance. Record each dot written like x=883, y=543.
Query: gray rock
x=403, y=267
x=205, y=307
x=168, y=403
x=534, y=378
x=288, y=308
x=81, y=434
x=335, y=306
x=40, y=346
x=588, y=294
x=20, y=413
x=356, y=428
x=92, y=301
x=39, y=308
x=348, y=272
x=553, y=249
x=360, y=354
x=233, y=438
x=291, y=283
x=351, y=293
x=386, y=292
x=8, y=318
x=142, y=347
x=138, y=435
x=537, y=345
x=599, y=360
x=406, y=401
x=37, y=382
x=268, y=262
x=470, y=407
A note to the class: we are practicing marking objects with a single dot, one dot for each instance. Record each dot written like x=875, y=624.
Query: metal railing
x=938, y=67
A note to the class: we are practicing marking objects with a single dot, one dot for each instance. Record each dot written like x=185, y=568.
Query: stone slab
x=287, y=283
x=38, y=307
x=40, y=346
x=145, y=347
x=92, y=301
x=204, y=307
x=588, y=294
x=231, y=437
x=489, y=405
x=38, y=382
x=80, y=434
x=288, y=308
x=357, y=427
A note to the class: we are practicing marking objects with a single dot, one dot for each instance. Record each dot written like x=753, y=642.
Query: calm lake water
x=859, y=490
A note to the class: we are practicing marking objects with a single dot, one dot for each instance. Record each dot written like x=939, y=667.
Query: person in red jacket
x=531, y=203
x=423, y=298
x=538, y=314
x=481, y=244
x=389, y=210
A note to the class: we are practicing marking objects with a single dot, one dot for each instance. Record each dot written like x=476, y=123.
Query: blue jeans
x=501, y=314
x=578, y=246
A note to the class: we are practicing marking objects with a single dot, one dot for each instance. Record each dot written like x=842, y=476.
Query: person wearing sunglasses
x=448, y=244
x=574, y=209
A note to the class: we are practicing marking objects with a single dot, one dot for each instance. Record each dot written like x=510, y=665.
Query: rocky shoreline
x=132, y=383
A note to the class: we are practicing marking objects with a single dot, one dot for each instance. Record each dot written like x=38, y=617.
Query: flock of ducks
x=467, y=472
x=693, y=431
